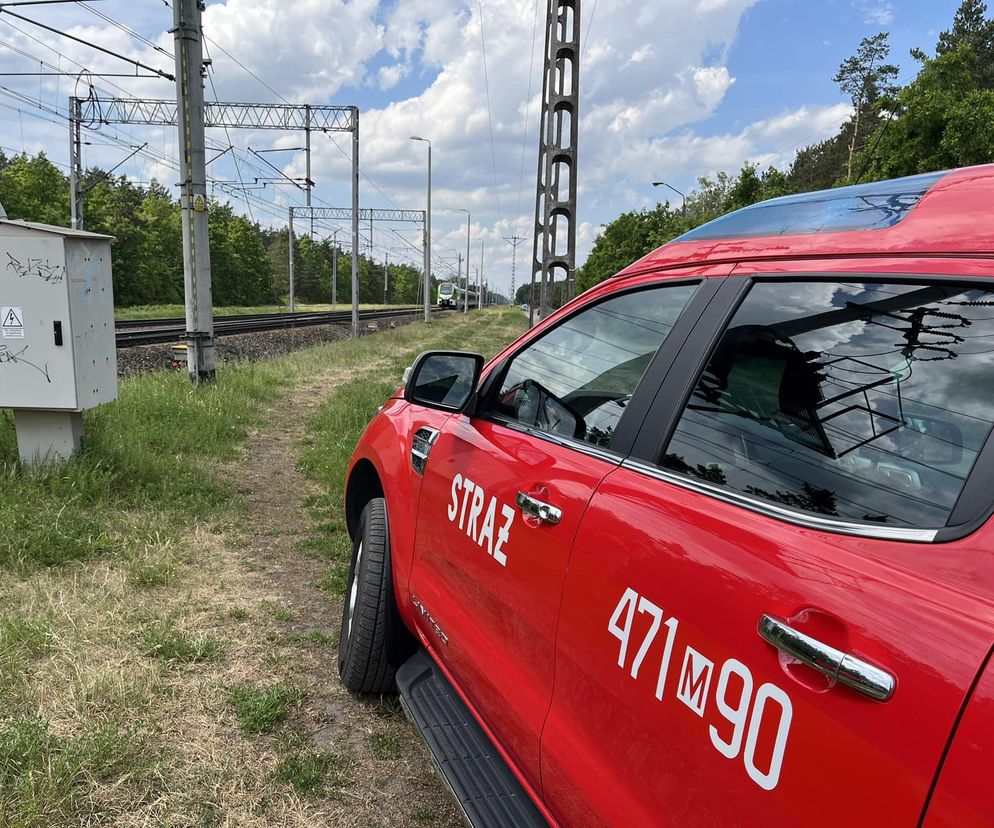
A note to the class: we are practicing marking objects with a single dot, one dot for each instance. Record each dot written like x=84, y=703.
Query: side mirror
x=443, y=379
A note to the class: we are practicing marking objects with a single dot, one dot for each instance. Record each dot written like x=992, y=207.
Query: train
x=447, y=295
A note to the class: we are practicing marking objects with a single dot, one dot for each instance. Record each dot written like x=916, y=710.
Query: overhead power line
x=70, y=74
x=36, y=3
x=106, y=51
x=490, y=115
x=126, y=29
x=528, y=97
x=231, y=145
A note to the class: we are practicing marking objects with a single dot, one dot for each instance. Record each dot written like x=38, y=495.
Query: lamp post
x=465, y=293
x=427, y=279
x=683, y=205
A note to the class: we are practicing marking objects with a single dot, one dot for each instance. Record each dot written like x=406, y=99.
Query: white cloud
x=641, y=54
x=876, y=12
x=389, y=76
x=642, y=103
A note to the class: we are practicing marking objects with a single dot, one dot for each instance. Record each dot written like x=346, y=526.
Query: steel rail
x=133, y=332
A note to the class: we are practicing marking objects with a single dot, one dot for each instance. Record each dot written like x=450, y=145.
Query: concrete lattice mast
x=555, y=202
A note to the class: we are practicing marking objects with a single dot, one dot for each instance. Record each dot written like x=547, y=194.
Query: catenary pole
x=479, y=281
x=355, y=222
x=290, y=269
x=201, y=356
x=514, y=241
x=465, y=301
x=75, y=164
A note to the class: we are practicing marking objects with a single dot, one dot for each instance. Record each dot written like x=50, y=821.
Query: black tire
x=364, y=643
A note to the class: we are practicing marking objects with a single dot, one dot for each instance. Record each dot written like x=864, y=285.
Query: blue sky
x=787, y=51
x=672, y=89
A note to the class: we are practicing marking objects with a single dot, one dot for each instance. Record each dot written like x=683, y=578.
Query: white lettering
x=736, y=713
x=695, y=680
x=737, y=717
x=487, y=532
x=454, y=505
x=768, y=692
x=474, y=512
x=503, y=534
x=467, y=489
x=626, y=605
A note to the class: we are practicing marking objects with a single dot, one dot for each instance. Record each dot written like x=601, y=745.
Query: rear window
x=861, y=207
x=864, y=401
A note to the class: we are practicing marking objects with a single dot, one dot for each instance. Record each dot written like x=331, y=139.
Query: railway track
x=132, y=332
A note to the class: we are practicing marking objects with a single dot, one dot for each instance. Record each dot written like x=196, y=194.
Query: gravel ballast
x=251, y=346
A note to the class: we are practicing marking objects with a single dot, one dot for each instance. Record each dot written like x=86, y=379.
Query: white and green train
x=447, y=295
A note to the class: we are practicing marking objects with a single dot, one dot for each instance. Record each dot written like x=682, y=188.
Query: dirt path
x=385, y=774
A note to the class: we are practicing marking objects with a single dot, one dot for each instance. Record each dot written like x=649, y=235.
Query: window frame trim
x=970, y=510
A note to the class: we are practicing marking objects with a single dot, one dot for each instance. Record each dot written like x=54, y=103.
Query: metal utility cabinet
x=57, y=347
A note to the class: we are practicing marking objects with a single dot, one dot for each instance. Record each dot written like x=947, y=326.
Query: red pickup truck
x=710, y=544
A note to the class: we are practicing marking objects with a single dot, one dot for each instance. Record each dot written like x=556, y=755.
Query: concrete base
x=47, y=436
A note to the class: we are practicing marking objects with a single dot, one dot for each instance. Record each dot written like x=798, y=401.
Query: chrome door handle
x=545, y=512
x=838, y=665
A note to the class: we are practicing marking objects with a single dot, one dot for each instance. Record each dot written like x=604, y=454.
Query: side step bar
x=478, y=776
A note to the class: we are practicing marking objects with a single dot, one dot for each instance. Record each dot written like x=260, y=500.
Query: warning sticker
x=12, y=323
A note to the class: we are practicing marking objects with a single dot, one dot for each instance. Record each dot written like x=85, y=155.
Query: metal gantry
x=196, y=115
x=555, y=202
x=345, y=214
x=286, y=117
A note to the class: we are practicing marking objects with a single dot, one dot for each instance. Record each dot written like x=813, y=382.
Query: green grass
x=95, y=563
x=162, y=640
x=424, y=815
x=313, y=637
x=261, y=709
x=284, y=614
x=148, y=453
x=47, y=779
x=24, y=636
x=385, y=745
x=307, y=769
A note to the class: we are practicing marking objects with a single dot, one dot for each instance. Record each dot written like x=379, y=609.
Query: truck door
x=775, y=609
x=503, y=494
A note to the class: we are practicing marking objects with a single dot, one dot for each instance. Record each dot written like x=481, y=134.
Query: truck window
x=577, y=379
x=859, y=400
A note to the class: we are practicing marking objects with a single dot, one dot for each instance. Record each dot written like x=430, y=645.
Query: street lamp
x=683, y=208
x=465, y=293
x=427, y=279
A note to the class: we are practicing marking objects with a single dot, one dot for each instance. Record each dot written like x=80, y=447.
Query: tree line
x=942, y=119
x=249, y=263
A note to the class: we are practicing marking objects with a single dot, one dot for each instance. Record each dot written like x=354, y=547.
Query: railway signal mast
x=555, y=201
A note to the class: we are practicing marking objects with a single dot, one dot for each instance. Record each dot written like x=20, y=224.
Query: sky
x=669, y=90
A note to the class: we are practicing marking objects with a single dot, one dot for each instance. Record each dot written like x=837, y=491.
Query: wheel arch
x=364, y=485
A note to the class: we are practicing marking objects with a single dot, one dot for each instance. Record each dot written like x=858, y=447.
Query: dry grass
x=184, y=674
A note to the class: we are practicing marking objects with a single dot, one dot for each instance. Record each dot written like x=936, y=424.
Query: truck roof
x=935, y=214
